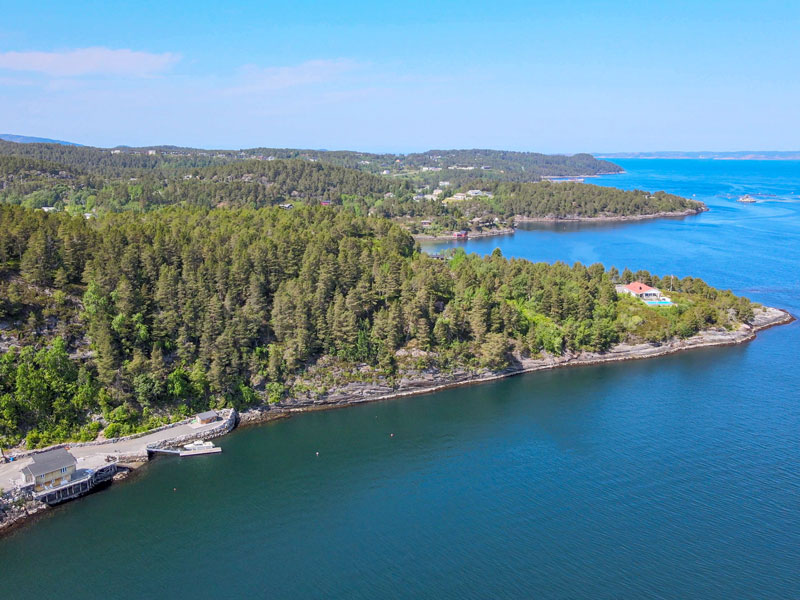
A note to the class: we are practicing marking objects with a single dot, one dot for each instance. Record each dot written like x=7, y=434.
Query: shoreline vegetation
x=492, y=207
x=428, y=382
x=424, y=383
x=612, y=218
x=519, y=219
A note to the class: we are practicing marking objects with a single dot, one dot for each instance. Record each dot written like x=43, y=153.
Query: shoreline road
x=93, y=456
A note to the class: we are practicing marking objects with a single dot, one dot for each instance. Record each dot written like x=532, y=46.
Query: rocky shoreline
x=518, y=219
x=611, y=218
x=421, y=237
x=425, y=382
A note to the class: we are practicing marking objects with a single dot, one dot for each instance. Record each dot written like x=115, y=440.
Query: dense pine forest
x=127, y=320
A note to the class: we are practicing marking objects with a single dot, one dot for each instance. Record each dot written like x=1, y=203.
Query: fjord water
x=677, y=477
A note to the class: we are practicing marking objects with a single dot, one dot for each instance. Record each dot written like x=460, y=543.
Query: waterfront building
x=49, y=469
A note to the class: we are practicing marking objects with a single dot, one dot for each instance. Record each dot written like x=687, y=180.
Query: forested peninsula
x=93, y=181
x=131, y=319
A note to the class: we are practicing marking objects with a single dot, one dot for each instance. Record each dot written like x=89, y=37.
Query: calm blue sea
x=673, y=478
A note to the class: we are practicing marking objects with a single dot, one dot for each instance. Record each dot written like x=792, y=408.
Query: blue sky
x=565, y=76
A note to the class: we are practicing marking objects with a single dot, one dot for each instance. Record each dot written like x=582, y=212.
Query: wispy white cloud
x=324, y=100
x=89, y=61
x=263, y=79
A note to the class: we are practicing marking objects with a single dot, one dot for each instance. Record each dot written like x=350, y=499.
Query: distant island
x=26, y=139
x=741, y=155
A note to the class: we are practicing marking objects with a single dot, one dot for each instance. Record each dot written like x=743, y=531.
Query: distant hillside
x=25, y=139
x=741, y=155
x=455, y=166
x=96, y=180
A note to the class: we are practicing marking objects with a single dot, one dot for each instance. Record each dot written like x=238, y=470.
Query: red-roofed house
x=643, y=292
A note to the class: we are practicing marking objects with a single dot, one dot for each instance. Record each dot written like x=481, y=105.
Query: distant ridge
x=26, y=139
x=709, y=155
x=456, y=167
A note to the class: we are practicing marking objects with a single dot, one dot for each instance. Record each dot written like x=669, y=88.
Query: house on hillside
x=644, y=292
x=460, y=235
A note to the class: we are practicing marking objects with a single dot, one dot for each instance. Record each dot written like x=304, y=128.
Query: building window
x=63, y=469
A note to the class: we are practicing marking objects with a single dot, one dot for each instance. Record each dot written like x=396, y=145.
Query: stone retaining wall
x=225, y=423
x=132, y=436
x=225, y=426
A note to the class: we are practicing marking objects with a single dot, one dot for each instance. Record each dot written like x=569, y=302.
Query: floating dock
x=194, y=449
x=213, y=450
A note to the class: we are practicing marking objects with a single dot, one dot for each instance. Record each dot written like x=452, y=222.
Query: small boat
x=199, y=447
x=747, y=199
